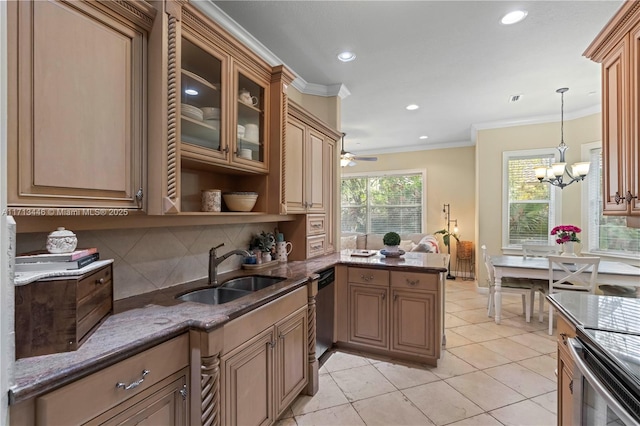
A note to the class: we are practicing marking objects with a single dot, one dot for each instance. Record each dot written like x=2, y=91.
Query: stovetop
x=608, y=313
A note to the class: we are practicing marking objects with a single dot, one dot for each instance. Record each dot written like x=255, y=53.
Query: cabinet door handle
x=184, y=392
x=384, y=296
x=139, y=196
x=564, y=338
x=395, y=297
x=571, y=386
x=272, y=344
x=413, y=282
x=133, y=384
x=630, y=197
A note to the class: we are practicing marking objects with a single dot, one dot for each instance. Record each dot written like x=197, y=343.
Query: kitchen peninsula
x=196, y=349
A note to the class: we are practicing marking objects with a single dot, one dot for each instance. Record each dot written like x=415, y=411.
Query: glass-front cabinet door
x=202, y=110
x=250, y=141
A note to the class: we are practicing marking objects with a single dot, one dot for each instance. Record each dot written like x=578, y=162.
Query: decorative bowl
x=61, y=241
x=240, y=201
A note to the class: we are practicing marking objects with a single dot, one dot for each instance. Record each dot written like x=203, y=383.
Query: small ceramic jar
x=211, y=200
x=61, y=241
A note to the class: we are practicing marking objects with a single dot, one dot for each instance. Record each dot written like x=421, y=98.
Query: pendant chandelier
x=555, y=174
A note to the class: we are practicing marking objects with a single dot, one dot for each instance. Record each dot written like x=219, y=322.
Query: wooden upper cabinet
x=210, y=114
x=77, y=97
x=617, y=48
x=309, y=166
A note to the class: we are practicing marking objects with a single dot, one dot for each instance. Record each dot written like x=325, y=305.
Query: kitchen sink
x=212, y=295
x=251, y=282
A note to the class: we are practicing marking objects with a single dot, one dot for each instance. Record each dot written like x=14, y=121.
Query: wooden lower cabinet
x=413, y=315
x=565, y=371
x=266, y=373
x=392, y=313
x=368, y=315
x=120, y=394
x=247, y=376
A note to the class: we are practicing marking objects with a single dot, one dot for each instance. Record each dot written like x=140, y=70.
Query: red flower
x=566, y=233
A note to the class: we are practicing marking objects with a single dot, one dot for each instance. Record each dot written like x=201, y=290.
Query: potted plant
x=446, y=236
x=265, y=242
x=391, y=240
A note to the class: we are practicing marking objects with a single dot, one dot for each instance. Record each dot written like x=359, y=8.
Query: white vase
x=568, y=249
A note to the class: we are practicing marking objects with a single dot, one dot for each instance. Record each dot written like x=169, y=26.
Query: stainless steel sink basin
x=212, y=295
x=251, y=282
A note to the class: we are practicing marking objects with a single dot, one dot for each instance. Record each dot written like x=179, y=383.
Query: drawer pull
x=100, y=281
x=316, y=225
x=366, y=278
x=133, y=384
x=316, y=247
x=413, y=282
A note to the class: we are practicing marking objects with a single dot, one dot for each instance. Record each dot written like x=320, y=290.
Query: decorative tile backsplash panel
x=147, y=259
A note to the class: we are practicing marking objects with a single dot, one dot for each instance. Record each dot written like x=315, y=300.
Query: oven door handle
x=621, y=412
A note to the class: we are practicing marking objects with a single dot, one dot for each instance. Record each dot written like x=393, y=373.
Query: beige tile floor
x=488, y=375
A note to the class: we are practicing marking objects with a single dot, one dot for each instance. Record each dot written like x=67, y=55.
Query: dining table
x=609, y=272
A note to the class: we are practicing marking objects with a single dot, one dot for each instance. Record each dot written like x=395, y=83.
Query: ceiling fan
x=349, y=159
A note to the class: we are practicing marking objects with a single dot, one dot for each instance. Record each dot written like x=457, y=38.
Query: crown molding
x=414, y=148
x=550, y=118
x=245, y=37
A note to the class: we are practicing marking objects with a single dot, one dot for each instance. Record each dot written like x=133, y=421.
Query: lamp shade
x=558, y=169
x=581, y=169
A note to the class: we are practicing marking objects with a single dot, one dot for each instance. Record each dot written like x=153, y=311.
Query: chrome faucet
x=214, y=261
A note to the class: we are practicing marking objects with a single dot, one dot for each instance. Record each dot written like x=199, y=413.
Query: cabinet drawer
x=316, y=245
x=369, y=276
x=316, y=224
x=93, y=283
x=82, y=400
x=414, y=281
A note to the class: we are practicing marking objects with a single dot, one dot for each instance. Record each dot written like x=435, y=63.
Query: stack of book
x=44, y=261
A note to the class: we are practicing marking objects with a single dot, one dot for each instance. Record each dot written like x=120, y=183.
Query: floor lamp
x=447, y=215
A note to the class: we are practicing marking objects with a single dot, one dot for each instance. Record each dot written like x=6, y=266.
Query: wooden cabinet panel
x=86, y=398
x=166, y=406
x=247, y=377
x=294, y=153
x=291, y=363
x=317, y=181
x=368, y=318
x=564, y=371
x=617, y=48
x=79, y=128
x=615, y=92
x=369, y=276
x=414, y=321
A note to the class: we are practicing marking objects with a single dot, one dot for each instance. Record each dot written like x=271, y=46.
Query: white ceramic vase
x=568, y=249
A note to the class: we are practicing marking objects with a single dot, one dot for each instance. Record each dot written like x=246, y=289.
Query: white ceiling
x=453, y=58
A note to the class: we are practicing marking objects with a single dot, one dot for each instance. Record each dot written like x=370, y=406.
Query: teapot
x=245, y=97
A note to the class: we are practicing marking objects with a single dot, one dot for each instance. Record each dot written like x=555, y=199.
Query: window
x=606, y=234
x=383, y=203
x=529, y=207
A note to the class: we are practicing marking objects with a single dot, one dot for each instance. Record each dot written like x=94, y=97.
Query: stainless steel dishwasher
x=325, y=311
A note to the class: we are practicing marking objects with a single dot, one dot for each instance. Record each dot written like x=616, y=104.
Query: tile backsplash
x=148, y=259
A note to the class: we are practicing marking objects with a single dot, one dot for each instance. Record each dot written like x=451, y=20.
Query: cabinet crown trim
x=621, y=23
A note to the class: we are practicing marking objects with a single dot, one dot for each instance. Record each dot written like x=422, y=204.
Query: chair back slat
x=576, y=273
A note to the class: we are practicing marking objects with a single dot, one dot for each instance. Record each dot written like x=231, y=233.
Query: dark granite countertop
x=143, y=321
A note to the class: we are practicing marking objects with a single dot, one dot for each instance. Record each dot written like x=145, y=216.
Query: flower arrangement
x=566, y=233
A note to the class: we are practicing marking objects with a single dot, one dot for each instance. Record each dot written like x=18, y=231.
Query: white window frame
x=381, y=173
x=587, y=241
x=555, y=204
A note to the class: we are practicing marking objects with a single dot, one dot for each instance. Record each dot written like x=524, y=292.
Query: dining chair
x=569, y=273
x=540, y=250
x=508, y=285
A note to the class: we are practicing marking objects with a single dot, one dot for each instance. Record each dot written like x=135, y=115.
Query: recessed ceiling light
x=191, y=92
x=412, y=107
x=513, y=17
x=424, y=137
x=346, y=56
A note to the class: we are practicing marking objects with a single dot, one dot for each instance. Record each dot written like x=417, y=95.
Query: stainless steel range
x=606, y=351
